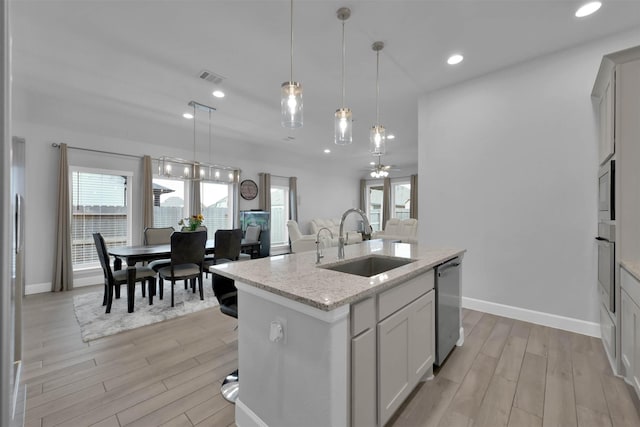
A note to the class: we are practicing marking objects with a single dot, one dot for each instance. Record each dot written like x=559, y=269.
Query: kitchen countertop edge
x=357, y=294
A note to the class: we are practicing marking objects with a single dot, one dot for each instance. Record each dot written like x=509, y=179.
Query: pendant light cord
x=194, y=132
x=344, y=49
x=291, y=80
x=209, y=136
x=377, y=87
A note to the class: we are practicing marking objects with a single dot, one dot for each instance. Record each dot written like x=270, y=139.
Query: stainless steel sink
x=368, y=266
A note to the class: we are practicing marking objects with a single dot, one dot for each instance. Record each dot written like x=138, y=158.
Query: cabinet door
x=406, y=345
x=607, y=120
x=421, y=336
x=628, y=335
x=363, y=379
x=394, y=371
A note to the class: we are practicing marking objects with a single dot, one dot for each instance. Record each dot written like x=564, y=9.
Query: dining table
x=132, y=255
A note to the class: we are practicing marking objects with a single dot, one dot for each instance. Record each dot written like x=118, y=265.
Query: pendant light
x=343, y=122
x=291, y=95
x=377, y=137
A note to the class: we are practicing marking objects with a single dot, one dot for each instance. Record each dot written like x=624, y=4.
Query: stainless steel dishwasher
x=447, y=308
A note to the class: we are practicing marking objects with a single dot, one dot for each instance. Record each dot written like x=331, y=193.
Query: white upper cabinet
x=604, y=98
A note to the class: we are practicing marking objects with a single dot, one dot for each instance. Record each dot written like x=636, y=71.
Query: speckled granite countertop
x=632, y=267
x=297, y=277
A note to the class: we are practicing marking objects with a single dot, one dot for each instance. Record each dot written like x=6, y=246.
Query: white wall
x=40, y=122
x=508, y=170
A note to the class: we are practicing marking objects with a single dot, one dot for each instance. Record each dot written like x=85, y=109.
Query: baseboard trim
x=538, y=317
x=79, y=282
x=37, y=288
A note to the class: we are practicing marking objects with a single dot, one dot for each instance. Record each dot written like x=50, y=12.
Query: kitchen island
x=318, y=347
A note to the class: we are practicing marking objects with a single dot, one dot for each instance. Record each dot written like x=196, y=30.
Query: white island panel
x=301, y=380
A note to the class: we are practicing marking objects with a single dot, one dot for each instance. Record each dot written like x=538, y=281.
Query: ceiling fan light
x=377, y=140
x=343, y=126
x=291, y=105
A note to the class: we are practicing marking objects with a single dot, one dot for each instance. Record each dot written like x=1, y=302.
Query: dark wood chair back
x=227, y=244
x=103, y=256
x=188, y=247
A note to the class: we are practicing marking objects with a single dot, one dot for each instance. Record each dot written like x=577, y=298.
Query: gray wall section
x=508, y=169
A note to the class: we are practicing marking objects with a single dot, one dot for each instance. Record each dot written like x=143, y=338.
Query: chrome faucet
x=318, y=251
x=341, y=238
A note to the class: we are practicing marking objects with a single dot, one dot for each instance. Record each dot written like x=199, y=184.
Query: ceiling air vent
x=211, y=77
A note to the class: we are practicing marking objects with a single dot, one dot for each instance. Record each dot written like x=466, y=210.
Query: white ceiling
x=141, y=58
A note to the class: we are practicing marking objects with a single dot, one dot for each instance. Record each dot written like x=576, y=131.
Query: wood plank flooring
x=508, y=373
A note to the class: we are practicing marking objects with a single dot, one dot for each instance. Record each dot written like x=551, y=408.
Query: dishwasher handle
x=446, y=266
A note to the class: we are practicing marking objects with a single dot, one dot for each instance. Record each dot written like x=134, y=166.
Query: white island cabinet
x=351, y=348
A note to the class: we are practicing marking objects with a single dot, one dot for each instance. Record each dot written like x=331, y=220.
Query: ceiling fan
x=380, y=170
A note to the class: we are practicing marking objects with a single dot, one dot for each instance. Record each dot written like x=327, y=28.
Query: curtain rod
x=56, y=145
x=278, y=176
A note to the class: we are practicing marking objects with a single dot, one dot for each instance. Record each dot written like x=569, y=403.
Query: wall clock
x=248, y=189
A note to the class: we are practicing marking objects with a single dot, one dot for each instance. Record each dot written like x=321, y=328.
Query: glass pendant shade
x=343, y=126
x=291, y=105
x=377, y=140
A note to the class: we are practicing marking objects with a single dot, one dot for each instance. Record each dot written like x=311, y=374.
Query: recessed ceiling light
x=327, y=151
x=391, y=136
x=455, y=59
x=187, y=116
x=587, y=9
x=372, y=163
x=218, y=94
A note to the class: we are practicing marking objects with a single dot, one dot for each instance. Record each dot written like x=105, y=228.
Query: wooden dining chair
x=158, y=236
x=115, y=279
x=251, y=235
x=187, y=260
x=226, y=247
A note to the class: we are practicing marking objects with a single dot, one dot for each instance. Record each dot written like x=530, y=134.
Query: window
x=217, y=206
x=171, y=203
x=168, y=202
x=374, y=206
x=101, y=203
x=279, y=211
x=401, y=199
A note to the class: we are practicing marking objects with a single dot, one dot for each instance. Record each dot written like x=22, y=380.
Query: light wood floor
x=507, y=373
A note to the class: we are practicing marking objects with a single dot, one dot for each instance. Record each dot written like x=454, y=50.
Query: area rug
x=95, y=323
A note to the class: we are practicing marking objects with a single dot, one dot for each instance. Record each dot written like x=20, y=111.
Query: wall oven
x=606, y=193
